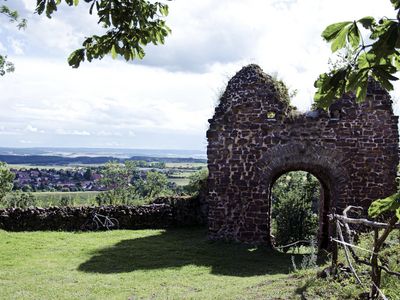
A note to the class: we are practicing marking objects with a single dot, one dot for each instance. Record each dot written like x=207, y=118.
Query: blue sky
x=165, y=100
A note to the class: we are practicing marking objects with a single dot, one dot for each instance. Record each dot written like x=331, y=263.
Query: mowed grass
x=179, y=181
x=46, y=199
x=54, y=198
x=140, y=264
x=186, y=165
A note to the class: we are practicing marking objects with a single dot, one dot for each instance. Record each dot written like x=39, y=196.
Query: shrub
x=6, y=181
x=293, y=197
x=21, y=200
x=197, y=182
x=66, y=201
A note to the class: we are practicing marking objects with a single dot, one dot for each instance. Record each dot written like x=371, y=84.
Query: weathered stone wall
x=255, y=136
x=167, y=212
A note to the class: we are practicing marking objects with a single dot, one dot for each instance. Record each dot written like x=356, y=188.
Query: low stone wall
x=167, y=212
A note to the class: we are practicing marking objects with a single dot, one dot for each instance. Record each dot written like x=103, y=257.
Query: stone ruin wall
x=255, y=136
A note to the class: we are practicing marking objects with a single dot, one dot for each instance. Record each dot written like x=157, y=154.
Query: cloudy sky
x=165, y=100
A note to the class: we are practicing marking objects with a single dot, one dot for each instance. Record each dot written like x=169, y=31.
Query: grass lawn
x=141, y=264
x=185, y=165
x=179, y=181
x=46, y=199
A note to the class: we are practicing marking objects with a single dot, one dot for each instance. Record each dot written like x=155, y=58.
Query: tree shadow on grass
x=182, y=247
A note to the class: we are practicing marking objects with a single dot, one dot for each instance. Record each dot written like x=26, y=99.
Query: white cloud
x=26, y=142
x=72, y=132
x=166, y=99
x=17, y=46
x=30, y=128
x=2, y=47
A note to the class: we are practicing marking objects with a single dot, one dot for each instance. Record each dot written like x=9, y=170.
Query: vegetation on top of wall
x=285, y=93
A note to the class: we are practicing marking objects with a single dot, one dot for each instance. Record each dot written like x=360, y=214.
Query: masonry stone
x=256, y=136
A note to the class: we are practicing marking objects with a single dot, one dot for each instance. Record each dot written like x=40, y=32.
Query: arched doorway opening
x=299, y=202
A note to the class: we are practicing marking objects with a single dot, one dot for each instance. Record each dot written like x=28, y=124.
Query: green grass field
x=186, y=165
x=45, y=199
x=179, y=181
x=161, y=264
x=142, y=264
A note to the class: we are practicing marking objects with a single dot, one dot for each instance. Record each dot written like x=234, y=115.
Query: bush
x=6, y=182
x=21, y=200
x=197, y=182
x=66, y=201
x=293, y=196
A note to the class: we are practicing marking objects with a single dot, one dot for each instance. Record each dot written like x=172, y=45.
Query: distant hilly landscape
x=65, y=156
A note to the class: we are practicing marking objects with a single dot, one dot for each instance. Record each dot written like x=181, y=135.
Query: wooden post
x=375, y=271
x=334, y=248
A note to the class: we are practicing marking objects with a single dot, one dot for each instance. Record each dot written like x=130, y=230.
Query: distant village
x=68, y=180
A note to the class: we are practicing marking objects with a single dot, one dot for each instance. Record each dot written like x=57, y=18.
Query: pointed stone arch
x=255, y=136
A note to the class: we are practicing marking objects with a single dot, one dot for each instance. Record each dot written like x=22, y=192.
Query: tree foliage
x=125, y=185
x=117, y=178
x=20, y=199
x=13, y=16
x=390, y=204
x=375, y=55
x=197, y=182
x=130, y=25
x=294, y=196
x=6, y=180
x=154, y=185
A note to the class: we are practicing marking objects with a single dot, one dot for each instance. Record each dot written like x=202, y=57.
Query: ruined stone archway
x=255, y=136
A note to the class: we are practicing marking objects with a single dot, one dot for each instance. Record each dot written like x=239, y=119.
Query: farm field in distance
x=177, y=173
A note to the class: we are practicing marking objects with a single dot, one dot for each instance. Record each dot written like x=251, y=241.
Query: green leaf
x=330, y=86
x=354, y=35
x=76, y=2
x=361, y=91
x=339, y=42
x=382, y=73
x=398, y=213
x=366, y=60
x=164, y=10
x=333, y=30
x=380, y=206
x=396, y=61
x=367, y=22
x=395, y=3
x=76, y=58
x=357, y=79
x=113, y=52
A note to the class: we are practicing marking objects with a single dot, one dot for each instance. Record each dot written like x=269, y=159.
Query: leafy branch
x=13, y=16
x=130, y=24
x=379, y=59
